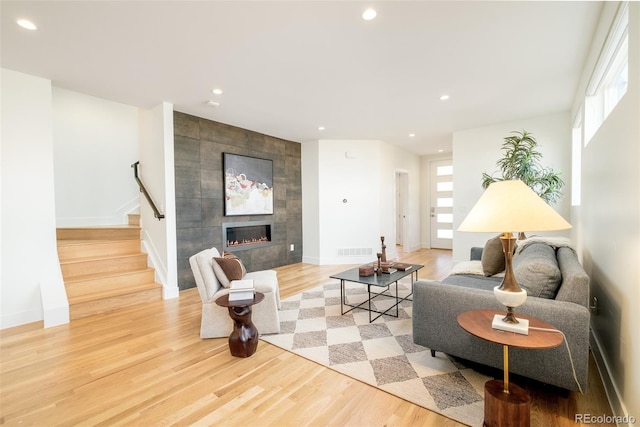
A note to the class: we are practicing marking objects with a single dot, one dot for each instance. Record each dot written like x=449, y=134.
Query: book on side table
x=241, y=290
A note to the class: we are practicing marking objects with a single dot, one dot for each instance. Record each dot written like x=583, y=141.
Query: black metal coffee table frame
x=384, y=281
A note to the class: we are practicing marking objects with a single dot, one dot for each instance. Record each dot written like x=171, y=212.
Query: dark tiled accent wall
x=199, y=144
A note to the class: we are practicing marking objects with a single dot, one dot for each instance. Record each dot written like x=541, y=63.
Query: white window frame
x=576, y=159
x=603, y=90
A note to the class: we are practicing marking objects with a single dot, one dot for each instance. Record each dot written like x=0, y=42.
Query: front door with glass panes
x=441, y=209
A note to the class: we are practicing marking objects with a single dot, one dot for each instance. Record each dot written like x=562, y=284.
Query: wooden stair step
x=111, y=232
x=79, y=267
x=110, y=293
x=104, y=269
x=103, y=302
x=96, y=283
x=72, y=249
x=133, y=219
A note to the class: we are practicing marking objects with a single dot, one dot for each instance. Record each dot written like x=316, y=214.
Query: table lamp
x=511, y=205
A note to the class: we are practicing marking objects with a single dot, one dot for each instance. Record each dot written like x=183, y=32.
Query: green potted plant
x=521, y=161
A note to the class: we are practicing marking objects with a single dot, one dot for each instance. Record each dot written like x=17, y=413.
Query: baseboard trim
x=21, y=318
x=613, y=395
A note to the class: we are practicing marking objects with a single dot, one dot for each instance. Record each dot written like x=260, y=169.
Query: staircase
x=104, y=269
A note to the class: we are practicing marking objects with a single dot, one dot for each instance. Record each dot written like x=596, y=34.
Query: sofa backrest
x=575, y=281
x=202, y=268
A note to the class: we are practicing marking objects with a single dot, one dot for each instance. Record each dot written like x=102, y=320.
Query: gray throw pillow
x=492, y=258
x=536, y=270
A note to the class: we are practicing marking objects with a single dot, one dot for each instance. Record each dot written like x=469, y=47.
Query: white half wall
x=32, y=288
x=95, y=142
x=477, y=150
x=156, y=171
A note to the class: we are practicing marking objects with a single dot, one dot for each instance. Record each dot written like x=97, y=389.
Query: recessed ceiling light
x=213, y=104
x=320, y=127
x=216, y=91
x=369, y=14
x=411, y=135
x=444, y=97
x=25, y=23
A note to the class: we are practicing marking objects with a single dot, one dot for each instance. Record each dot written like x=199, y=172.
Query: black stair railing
x=144, y=191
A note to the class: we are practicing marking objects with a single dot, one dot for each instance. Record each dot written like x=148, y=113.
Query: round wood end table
x=507, y=404
x=243, y=340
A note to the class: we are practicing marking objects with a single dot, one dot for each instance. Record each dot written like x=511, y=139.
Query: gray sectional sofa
x=436, y=306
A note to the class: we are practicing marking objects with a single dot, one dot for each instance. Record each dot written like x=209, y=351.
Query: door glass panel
x=445, y=202
x=445, y=234
x=444, y=170
x=444, y=186
x=445, y=218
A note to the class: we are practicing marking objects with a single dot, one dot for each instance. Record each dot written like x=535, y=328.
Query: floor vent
x=348, y=252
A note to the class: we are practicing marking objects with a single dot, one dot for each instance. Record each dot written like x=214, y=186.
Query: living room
x=34, y=108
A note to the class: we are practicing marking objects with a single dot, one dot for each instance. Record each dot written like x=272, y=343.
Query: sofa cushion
x=473, y=281
x=227, y=268
x=536, y=270
x=492, y=257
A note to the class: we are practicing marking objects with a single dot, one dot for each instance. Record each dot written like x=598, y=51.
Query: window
x=609, y=80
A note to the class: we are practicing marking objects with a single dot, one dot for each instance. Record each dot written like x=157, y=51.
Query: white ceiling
x=288, y=67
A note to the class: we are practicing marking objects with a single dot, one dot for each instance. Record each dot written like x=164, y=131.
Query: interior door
x=441, y=206
x=399, y=209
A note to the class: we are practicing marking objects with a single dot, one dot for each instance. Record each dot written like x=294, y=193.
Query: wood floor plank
x=146, y=365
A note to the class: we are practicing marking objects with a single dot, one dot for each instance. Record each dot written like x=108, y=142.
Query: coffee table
x=383, y=283
x=243, y=340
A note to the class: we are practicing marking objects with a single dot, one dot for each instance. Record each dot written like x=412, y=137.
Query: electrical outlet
x=291, y=247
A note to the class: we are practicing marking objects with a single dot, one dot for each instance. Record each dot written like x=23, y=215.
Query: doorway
x=402, y=189
x=441, y=204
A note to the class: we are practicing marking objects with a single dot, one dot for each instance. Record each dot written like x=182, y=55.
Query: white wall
x=95, y=143
x=477, y=150
x=610, y=225
x=349, y=198
x=156, y=171
x=29, y=258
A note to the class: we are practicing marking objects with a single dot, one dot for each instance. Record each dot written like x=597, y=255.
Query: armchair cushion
x=203, y=262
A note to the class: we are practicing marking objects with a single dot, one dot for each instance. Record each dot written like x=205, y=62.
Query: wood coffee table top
x=478, y=323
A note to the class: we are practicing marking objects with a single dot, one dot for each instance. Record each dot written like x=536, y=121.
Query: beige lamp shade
x=512, y=206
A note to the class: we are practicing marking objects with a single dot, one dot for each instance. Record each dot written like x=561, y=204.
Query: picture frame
x=248, y=185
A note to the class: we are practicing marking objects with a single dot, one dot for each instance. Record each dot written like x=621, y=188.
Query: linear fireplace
x=239, y=236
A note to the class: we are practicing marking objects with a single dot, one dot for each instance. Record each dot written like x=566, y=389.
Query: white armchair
x=216, y=322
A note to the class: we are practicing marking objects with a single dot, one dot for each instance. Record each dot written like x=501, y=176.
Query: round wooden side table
x=507, y=404
x=243, y=340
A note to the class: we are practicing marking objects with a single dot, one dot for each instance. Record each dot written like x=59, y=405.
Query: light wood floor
x=148, y=366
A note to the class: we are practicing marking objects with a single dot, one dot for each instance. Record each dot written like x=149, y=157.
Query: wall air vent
x=349, y=252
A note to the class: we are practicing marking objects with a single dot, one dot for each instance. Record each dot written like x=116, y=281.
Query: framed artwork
x=248, y=185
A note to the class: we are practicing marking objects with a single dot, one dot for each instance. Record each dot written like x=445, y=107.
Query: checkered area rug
x=381, y=353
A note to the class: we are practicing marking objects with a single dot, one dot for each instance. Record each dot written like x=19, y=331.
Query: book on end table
x=241, y=290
